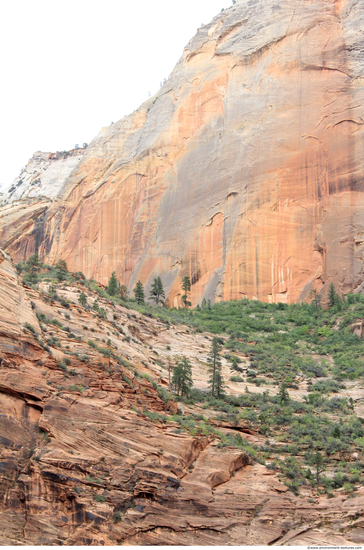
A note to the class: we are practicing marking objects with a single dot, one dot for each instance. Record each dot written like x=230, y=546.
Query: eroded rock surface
x=243, y=172
x=83, y=464
x=43, y=176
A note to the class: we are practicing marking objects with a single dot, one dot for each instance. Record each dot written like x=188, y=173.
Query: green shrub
x=196, y=395
x=126, y=380
x=326, y=386
x=105, y=351
x=56, y=322
x=30, y=327
x=61, y=365
x=99, y=498
x=348, y=488
x=117, y=517
x=359, y=441
x=164, y=394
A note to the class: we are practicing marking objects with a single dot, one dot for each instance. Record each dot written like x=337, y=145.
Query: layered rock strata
x=243, y=172
x=82, y=464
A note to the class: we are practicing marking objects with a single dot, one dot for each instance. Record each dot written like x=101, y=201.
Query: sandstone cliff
x=243, y=172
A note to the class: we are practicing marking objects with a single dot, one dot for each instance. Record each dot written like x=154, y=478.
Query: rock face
x=243, y=172
x=83, y=464
x=43, y=176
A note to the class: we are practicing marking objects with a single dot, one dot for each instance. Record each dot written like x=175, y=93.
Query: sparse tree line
x=182, y=373
x=157, y=292
x=31, y=270
x=32, y=274
x=334, y=299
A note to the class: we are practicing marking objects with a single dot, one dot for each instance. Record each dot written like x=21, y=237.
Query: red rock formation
x=82, y=464
x=243, y=172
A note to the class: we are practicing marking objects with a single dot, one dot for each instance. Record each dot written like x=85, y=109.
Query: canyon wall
x=244, y=171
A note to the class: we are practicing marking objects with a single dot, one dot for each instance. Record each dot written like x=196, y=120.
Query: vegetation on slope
x=313, y=439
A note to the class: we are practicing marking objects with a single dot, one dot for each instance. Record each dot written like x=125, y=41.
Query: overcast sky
x=71, y=67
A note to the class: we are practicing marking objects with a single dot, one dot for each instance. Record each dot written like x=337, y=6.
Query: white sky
x=70, y=67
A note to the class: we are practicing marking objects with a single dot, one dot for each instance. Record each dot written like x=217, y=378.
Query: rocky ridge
x=81, y=463
x=244, y=171
x=43, y=176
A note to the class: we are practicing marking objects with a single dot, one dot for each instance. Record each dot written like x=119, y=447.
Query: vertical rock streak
x=244, y=171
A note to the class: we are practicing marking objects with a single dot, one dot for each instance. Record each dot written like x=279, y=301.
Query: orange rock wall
x=243, y=172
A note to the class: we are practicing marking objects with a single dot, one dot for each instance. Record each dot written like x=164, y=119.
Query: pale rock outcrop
x=43, y=176
x=244, y=171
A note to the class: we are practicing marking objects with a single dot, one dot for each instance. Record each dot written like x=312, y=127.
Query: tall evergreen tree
x=332, y=295
x=61, y=270
x=139, y=293
x=216, y=381
x=32, y=261
x=186, y=286
x=112, y=286
x=157, y=291
x=318, y=461
x=283, y=395
x=32, y=267
x=82, y=299
x=123, y=292
x=316, y=300
x=182, y=377
x=219, y=384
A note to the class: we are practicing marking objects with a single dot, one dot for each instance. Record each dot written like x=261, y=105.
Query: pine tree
x=139, y=293
x=219, y=384
x=123, y=292
x=82, y=299
x=316, y=300
x=216, y=381
x=62, y=265
x=156, y=291
x=336, y=433
x=186, y=286
x=283, y=395
x=32, y=261
x=319, y=462
x=32, y=267
x=112, y=286
x=61, y=270
x=332, y=295
x=182, y=377
x=102, y=312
